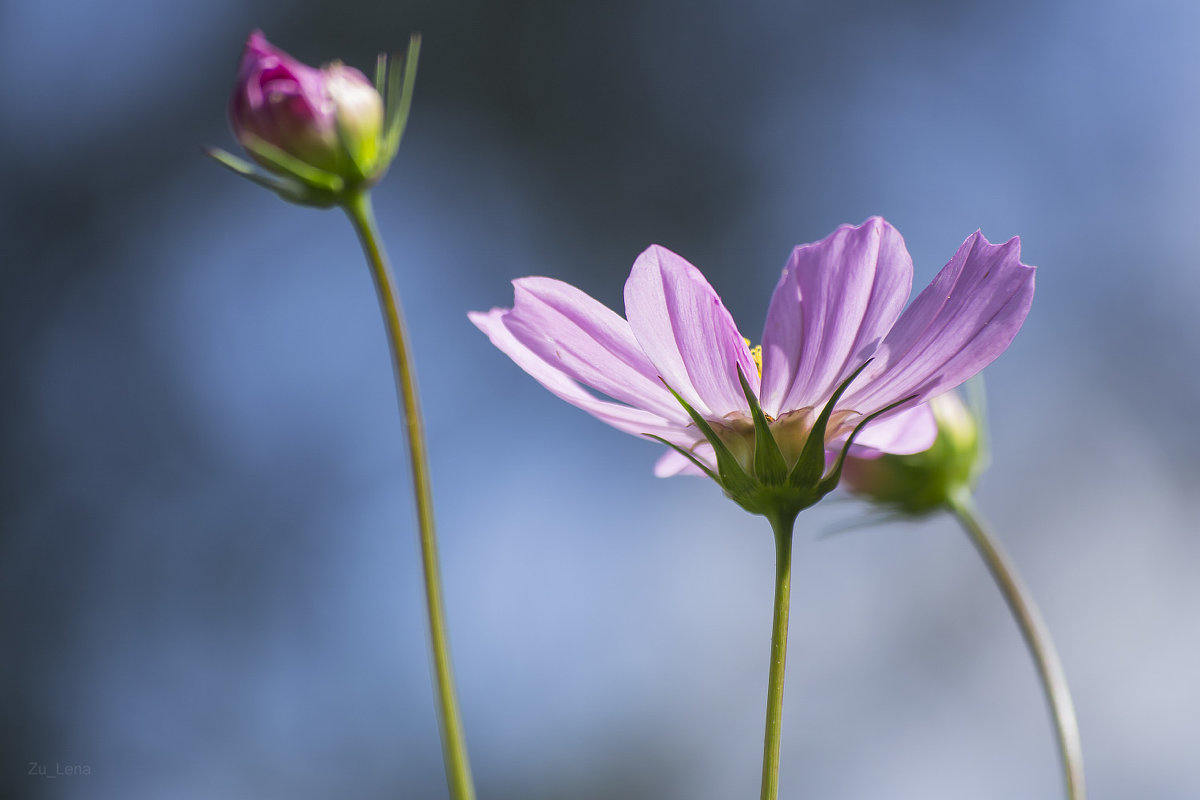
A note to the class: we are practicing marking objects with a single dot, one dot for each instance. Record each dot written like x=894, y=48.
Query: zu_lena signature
x=38, y=769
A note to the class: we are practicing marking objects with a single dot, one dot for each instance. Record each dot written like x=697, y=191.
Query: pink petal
x=783, y=336
x=672, y=463
x=833, y=305
x=684, y=329
x=911, y=430
x=624, y=418
x=957, y=326
x=589, y=342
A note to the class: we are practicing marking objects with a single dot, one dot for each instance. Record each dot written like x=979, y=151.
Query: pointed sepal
x=398, y=96
x=830, y=481
x=381, y=70
x=769, y=464
x=290, y=166
x=291, y=190
x=688, y=454
x=733, y=478
x=811, y=464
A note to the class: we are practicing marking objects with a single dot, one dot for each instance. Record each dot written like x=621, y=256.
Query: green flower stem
x=454, y=747
x=1037, y=638
x=782, y=527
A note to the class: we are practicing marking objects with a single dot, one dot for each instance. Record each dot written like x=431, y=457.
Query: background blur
x=208, y=565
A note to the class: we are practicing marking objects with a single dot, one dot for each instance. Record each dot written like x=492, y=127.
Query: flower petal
x=672, y=463
x=957, y=326
x=833, y=305
x=623, y=418
x=912, y=430
x=589, y=342
x=687, y=333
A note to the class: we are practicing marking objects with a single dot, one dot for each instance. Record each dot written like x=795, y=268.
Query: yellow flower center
x=756, y=354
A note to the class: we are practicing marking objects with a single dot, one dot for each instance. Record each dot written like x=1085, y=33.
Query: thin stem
x=454, y=748
x=1037, y=637
x=782, y=527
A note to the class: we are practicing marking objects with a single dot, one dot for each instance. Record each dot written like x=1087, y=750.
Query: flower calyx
x=763, y=482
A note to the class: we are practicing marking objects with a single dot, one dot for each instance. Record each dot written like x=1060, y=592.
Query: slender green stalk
x=454, y=747
x=1037, y=637
x=782, y=527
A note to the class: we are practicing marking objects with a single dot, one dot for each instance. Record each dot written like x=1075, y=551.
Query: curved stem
x=1037, y=637
x=782, y=527
x=454, y=748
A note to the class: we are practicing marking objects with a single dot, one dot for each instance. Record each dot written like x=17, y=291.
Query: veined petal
x=912, y=430
x=589, y=342
x=782, y=338
x=687, y=333
x=624, y=418
x=834, y=303
x=957, y=326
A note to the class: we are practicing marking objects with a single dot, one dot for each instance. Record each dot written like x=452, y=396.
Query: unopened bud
x=319, y=132
x=921, y=483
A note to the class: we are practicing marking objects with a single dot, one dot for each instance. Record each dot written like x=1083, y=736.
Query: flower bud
x=359, y=110
x=323, y=127
x=921, y=483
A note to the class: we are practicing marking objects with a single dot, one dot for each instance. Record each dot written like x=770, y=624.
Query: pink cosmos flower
x=676, y=366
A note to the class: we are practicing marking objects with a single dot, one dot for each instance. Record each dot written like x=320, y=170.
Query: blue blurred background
x=208, y=566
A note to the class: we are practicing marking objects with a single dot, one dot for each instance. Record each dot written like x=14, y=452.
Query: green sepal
x=830, y=481
x=811, y=464
x=291, y=190
x=686, y=454
x=381, y=65
x=398, y=98
x=733, y=478
x=314, y=178
x=364, y=157
x=769, y=464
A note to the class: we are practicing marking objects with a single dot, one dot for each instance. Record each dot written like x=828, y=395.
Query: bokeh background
x=208, y=566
